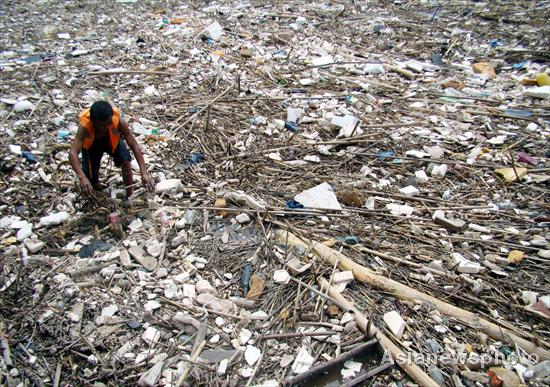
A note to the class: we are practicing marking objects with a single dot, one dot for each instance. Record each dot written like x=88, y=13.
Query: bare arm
x=76, y=148
x=134, y=147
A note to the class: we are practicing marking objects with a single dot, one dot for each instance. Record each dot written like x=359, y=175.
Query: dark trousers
x=91, y=158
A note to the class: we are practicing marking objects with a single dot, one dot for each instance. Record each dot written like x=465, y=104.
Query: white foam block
x=395, y=323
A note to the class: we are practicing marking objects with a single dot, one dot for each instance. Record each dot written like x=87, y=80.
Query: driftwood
x=410, y=368
x=366, y=275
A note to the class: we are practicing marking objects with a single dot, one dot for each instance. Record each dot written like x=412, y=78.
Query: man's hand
x=148, y=181
x=85, y=186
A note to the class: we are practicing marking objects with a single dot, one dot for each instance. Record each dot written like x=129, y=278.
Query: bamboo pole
x=399, y=290
x=414, y=371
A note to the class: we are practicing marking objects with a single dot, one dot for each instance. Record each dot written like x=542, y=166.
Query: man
x=102, y=130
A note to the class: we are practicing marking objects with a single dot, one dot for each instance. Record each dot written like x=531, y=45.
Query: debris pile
x=345, y=194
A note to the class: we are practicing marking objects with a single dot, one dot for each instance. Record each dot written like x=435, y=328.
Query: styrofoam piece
x=252, y=354
x=395, y=323
x=347, y=124
x=23, y=105
x=529, y=297
x=303, y=361
x=400, y=209
x=281, y=277
x=322, y=60
x=169, y=185
x=343, y=276
x=54, y=219
x=374, y=68
x=409, y=190
x=214, y=31
x=538, y=92
x=421, y=176
x=464, y=265
x=294, y=114
x=321, y=196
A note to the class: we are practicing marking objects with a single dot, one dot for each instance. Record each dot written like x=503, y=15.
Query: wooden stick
x=298, y=334
x=162, y=252
x=57, y=374
x=364, y=249
x=405, y=73
x=202, y=309
x=491, y=241
x=177, y=129
x=193, y=358
x=88, y=270
x=111, y=72
x=399, y=290
x=414, y=371
x=482, y=113
x=319, y=293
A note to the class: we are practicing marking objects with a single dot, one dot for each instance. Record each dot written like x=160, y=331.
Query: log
x=297, y=334
x=399, y=70
x=114, y=72
x=414, y=371
x=399, y=290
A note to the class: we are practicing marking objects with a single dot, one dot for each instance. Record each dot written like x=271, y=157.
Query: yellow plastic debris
x=509, y=175
x=543, y=79
x=178, y=20
x=9, y=241
x=515, y=256
x=484, y=68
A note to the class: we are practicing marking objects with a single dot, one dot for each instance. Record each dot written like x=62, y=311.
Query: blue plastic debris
x=95, y=245
x=196, y=158
x=32, y=59
x=29, y=157
x=292, y=126
x=495, y=43
x=382, y=155
x=437, y=59
x=518, y=113
x=350, y=100
x=62, y=134
x=245, y=277
x=520, y=65
x=291, y=203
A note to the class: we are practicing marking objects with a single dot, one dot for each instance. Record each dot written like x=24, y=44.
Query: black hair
x=101, y=111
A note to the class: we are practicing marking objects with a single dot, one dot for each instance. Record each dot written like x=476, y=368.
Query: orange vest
x=114, y=135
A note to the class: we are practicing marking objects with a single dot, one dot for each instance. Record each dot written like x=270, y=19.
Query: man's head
x=101, y=114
